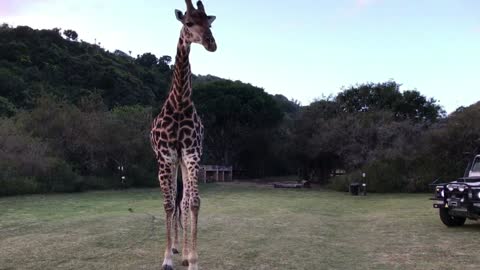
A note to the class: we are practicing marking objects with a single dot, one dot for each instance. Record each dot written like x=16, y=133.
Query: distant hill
x=200, y=79
x=37, y=62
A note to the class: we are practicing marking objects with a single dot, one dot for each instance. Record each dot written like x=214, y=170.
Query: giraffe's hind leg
x=166, y=173
x=191, y=161
x=176, y=220
x=185, y=213
x=177, y=212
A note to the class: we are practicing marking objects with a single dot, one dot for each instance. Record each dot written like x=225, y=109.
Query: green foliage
x=411, y=157
x=78, y=113
x=240, y=121
x=387, y=176
x=70, y=34
x=37, y=62
x=166, y=59
x=287, y=106
x=27, y=164
x=369, y=125
x=7, y=109
x=236, y=102
x=387, y=96
x=59, y=178
x=448, y=146
x=12, y=86
x=11, y=184
x=147, y=60
x=62, y=148
x=95, y=141
x=342, y=182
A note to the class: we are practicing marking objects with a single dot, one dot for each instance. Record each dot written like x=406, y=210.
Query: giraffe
x=176, y=137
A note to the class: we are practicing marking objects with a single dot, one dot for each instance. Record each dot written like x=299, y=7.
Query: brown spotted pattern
x=176, y=137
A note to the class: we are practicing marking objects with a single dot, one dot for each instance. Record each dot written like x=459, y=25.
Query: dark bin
x=354, y=188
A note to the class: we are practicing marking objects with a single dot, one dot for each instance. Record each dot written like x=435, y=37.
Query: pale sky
x=303, y=49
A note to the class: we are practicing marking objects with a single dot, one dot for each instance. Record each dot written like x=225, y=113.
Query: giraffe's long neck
x=181, y=90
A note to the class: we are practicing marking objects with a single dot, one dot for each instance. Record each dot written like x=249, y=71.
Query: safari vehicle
x=459, y=199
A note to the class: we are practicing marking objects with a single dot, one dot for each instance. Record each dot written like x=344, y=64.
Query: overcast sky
x=303, y=49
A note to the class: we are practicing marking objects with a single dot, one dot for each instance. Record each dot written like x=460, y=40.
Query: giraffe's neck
x=181, y=91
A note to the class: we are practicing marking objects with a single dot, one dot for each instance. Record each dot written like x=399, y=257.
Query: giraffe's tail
x=178, y=203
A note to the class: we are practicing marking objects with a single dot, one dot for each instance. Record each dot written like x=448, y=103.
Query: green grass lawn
x=242, y=226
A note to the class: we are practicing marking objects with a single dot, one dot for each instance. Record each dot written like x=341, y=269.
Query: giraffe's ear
x=179, y=15
x=211, y=19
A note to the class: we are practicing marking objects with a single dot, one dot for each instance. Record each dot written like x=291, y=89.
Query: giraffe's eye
x=189, y=24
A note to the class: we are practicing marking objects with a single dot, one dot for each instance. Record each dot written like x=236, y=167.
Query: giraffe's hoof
x=167, y=267
x=185, y=262
x=175, y=251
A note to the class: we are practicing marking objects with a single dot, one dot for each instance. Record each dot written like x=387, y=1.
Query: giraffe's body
x=176, y=137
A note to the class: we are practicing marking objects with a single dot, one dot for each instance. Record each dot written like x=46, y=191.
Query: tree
x=417, y=107
x=121, y=54
x=12, y=86
x=36, y=62
x=70, y=34
x=239, y=123
x=7, y=109
x=166, y=59
x=147, y=60
x=445, y=145
x=164, y=63
x=368, y=97
x=387, y=97
x=28, y=164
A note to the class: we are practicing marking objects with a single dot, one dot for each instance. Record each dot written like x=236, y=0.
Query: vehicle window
x=476, y=165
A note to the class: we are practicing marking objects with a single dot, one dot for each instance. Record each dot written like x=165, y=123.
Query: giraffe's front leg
x=194, y=210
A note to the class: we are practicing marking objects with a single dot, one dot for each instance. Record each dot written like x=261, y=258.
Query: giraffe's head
x=196, y=26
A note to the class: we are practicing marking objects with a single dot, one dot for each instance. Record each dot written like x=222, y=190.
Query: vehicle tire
x=449, y=220
x=459, y=221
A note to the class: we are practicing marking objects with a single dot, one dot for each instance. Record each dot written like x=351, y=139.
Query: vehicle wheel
x=459, y=221
x=449, y=220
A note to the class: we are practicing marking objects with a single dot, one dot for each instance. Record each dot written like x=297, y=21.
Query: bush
x=387, y=176
x=96, y=182
x=142, y=176
x=381, y=176
x=12, y=184
x=342, y=182
x=60, y=178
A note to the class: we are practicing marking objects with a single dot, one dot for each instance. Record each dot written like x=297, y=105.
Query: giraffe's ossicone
x=176, y=137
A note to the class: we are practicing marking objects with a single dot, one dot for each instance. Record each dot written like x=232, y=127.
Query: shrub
x=96, y=182
x=342, y=182
x=12, y=184
x=59, y=178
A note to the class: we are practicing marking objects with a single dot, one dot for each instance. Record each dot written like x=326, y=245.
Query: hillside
x=38, y=62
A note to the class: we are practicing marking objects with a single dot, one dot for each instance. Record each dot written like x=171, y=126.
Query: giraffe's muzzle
x=209, y=43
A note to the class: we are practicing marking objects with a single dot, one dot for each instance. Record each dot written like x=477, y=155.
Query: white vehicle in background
x=460, y=199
